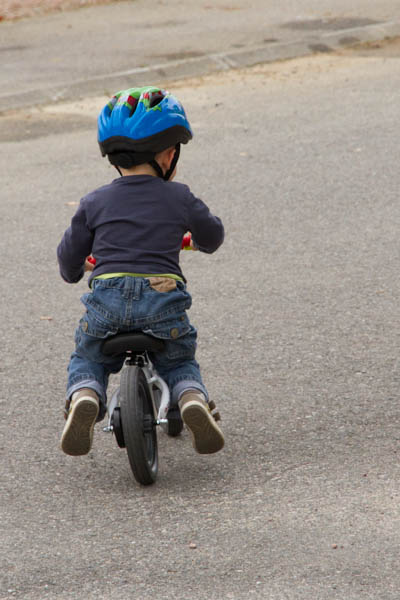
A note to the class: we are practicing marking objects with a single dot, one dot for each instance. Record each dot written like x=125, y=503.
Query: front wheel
x=138, y=425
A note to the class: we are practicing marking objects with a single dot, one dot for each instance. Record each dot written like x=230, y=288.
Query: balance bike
x=140, y=404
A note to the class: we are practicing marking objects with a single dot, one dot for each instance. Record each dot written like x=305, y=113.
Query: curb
x=202, y=65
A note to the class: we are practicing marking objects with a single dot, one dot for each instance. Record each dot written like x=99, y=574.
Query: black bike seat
x=131, y=342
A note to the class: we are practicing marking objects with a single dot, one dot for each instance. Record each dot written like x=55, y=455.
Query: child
x=133, y=227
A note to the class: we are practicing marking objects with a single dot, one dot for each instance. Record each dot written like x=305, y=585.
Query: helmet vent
x=133, y=102
x=155, y=98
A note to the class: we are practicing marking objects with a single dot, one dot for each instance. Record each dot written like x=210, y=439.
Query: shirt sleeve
x=74, y=247
x=207, y=230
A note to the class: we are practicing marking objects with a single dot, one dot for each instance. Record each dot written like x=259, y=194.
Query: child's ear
x=171, y=154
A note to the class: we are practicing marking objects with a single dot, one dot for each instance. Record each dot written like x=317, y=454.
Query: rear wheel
x=175, y=423
x=138, y=425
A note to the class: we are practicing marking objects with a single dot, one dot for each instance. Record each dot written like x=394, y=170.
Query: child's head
x=143, y=125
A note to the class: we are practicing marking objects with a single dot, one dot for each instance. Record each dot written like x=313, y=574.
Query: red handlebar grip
x=186, y=240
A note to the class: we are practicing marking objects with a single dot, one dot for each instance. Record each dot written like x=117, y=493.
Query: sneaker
x=77, y=436
x=207, y=437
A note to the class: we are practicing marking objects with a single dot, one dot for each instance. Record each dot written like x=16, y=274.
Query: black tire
x=138, y=425
x=175, y=423
x=117, y=427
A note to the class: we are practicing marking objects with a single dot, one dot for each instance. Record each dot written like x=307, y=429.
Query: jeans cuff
x=87, y=383
x=183, y=386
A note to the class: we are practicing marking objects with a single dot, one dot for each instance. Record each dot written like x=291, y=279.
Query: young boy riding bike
x=133, y=227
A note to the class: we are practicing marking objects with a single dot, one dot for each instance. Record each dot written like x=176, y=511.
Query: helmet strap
x=172, y=166
x=157, y=168
x=173, y=162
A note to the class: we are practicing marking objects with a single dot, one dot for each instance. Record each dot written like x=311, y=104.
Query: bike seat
x=131, y=342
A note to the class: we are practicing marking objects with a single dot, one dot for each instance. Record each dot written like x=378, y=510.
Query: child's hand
x=90, y=263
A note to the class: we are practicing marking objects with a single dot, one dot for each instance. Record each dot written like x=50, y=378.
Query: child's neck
x=144, y=169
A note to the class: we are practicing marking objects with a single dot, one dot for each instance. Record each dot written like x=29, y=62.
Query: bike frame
x=154, y=382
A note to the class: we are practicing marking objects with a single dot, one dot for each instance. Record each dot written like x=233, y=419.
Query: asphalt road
x=298, y=315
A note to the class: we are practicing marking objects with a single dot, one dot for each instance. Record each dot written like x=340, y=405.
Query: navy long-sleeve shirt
x=135, y=225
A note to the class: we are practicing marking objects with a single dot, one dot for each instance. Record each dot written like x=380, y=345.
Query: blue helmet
x=139, y=123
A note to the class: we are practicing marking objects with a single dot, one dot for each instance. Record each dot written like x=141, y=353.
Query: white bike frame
x=154, y=382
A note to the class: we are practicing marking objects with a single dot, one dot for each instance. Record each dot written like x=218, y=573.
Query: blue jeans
x=122, y=304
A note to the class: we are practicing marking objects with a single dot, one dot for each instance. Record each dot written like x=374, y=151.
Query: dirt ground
x=18, y=9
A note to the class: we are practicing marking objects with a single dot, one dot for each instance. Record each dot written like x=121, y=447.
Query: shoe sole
x=77, y=436
x=207, y=437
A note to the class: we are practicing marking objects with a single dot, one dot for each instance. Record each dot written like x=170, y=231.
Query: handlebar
x=186, y=240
